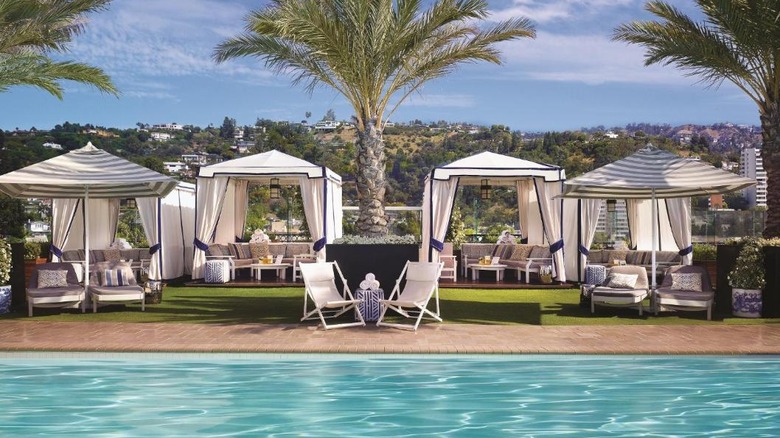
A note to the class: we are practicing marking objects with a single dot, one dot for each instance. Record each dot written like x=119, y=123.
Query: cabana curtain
x=148, y=209
x=63, y=215
x=551, y=218
x=209, y=197
x=440, y=198
x=679, y=211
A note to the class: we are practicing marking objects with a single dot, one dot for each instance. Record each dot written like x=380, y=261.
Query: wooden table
x=476, y=267
x=280, y=268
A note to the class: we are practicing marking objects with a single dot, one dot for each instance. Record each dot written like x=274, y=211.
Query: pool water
x=394, y=396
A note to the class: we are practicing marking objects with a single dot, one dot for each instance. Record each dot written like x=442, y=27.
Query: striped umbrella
x=654, y=174
x=86, y=173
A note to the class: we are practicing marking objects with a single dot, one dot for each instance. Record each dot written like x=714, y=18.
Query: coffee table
x=280, y=268
x=476, y=267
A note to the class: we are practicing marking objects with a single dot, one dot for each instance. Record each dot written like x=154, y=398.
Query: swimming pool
x=345, y=395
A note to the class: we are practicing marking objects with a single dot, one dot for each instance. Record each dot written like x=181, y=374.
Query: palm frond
x=38, y=71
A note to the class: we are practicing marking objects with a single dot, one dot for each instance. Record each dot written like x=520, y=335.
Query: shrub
x=5, y=261
x=748, y=272
x=32, y=250
x=704, y=251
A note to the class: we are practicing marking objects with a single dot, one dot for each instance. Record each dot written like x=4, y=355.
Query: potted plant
x=5, y=276
x=32, y=257
x=747, y=280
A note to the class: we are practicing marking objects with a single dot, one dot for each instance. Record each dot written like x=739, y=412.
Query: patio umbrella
x=86, y=173
x=654, y=174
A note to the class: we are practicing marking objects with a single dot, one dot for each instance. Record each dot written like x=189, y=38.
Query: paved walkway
x=431, y=338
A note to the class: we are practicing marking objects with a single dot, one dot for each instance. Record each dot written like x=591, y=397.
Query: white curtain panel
x=580, y=220
x=438, y=199
x=225, y=231
x=632, y=215
x=551, y=217
x=210, y=197
x=314, y=206
x=335, y=211
x=63, y=213
x=177, y=215
x=147, y=209
x=102, y=225
x=241, y=200
x=113, y=218
x=679, y=214
x=524, y=189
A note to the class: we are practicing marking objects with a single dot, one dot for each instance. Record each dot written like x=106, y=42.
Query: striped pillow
x=114, y=277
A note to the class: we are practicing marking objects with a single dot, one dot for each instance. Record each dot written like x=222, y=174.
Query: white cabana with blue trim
x=80, y=176
x=652, y=174
x=537, y=185
x=221, y=199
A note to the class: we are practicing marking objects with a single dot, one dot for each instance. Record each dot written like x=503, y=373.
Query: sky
x=159, y=54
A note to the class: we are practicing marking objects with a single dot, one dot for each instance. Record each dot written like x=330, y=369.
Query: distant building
x=51, y=145
x=326, y=126
x=610, y=134
x=716, y=202
x=161, y=136
x=174, y=166
x=169, y=127
x=618, y=223
x=751, y=166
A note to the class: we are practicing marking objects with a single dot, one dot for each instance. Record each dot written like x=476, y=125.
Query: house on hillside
x=160, y=136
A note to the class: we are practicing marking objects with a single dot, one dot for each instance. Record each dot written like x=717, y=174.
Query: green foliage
x=748, y=272
x=704, y=251
x=378, y=240
x=130, y=229
x=32, y=250
x=5, y=261
x=456, y=232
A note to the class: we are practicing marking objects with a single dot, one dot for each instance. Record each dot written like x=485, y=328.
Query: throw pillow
x=114, y=277
x=686, y=281
x=621, y=281
x=51, y=278
x=259, y=250
x=521, y=252
x=112, y=255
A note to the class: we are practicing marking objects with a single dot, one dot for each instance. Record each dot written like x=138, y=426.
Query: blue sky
x=158, y=53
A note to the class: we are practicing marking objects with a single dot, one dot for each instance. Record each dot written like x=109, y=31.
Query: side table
x=369, y=308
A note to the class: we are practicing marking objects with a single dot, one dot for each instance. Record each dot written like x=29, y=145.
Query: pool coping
x=43, y=336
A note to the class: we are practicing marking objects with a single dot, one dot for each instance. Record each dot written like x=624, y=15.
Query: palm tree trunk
x=371, y=181
x=770, y=154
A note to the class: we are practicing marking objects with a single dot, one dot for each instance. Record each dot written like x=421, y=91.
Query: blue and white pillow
x=686, y=281
x=114, y=277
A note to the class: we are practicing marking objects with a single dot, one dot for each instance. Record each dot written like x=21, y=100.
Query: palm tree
x=738, y=41
x=375, y=53
x=32, y=29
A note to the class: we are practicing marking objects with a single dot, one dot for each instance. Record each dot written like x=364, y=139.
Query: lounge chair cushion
x=56, y=278
x=619, y=293
x=621, y=281
x=686, y=281
x=115, y=277
x=670, y=294
x=74, y=290
x=115, y=290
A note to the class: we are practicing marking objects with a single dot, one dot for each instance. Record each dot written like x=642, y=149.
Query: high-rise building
x=751, y=166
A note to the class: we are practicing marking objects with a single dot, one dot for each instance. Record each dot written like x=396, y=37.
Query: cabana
x=174, y=227
x=652, y=174
x=90, y=173
x=221, y=199
x=536, y=185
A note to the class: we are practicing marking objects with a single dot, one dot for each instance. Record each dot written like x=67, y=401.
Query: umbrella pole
x=86, y=247
x=654, y=209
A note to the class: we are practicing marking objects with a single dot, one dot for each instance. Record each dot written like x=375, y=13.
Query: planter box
x=712, y=270
x=385, y=261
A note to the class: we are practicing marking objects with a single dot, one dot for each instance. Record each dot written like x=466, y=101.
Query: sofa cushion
x=667, y=257
x=259, y=250
x=217, y=249
x=635, y=258
x=277, y=249
x=240, y=250
x=296, y=248
x=521, y=252
x=476, y=250
x=596, y=256
x=611, y=255
x=96, y=255
x=503, y=251
x=112, y=255
x=73, y=255
x=130, y=254
x=540, y=252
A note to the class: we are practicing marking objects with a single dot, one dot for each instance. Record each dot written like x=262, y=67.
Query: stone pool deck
x=429, y=339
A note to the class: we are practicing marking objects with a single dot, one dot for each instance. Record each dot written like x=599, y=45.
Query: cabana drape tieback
x=685, y=251
x=319, y=244
x=154, y=248
x=437, y=245
x=200, y=245
x=584, y=251
x=557, y=246
x=56, y=251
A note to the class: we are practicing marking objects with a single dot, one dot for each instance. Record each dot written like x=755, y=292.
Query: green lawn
x=461, y=306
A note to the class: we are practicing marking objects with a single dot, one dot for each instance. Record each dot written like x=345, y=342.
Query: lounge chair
x=450, y=269
x=616, y=292
x=114, y=282
x=61, y=289
x=422, y=283
x=319, y=281
x=682, y=296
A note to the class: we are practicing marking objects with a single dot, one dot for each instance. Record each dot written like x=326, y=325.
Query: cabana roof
x=69, y=175
x=271, y=164
x=499, y=168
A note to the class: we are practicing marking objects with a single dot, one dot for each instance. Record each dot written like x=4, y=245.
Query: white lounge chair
x=450, y=269
x=422, y=283
x=629, y=295
x=667, y=298
x=319, y=280
x=68, y=294
x=102, y=291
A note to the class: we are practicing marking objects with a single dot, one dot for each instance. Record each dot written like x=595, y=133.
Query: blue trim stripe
x=154, y=248
x=56, y=251
x=319, y=244
x=685, y=251
x=438, y=246
x=557, y=246
x=200, y=245
x=584, y=251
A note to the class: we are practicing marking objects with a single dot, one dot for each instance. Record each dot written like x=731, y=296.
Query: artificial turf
x=215, y=305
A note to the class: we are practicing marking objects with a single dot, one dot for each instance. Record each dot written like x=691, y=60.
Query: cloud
x=589, y=59
x=440, y=100
x=544, y=11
